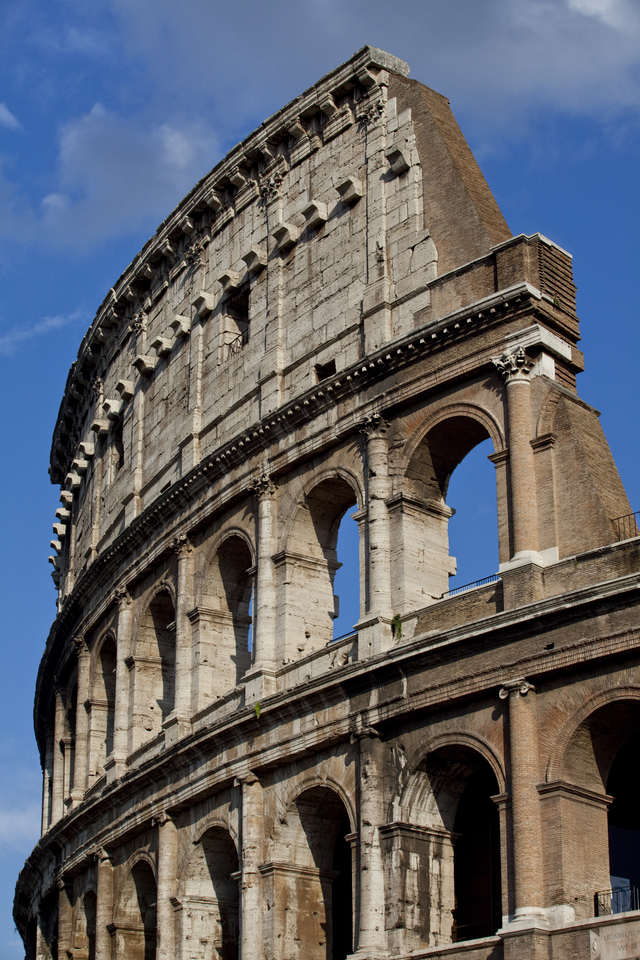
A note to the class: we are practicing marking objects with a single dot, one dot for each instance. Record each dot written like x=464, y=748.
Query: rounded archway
x=211, y=909
x=154, y=663
x=599, y=761
x=102, y=708
x=306, y=569
x=450, y=884
x=224, y=617
x=421, y=518
x=136, y=915
x=312, y=868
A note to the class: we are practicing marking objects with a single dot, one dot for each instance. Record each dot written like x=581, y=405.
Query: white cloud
x=116, y=175
x=10, y=341
x=7, y=119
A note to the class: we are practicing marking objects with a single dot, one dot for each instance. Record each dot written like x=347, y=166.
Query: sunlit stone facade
x=332, y=320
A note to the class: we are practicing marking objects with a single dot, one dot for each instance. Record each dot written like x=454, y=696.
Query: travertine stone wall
x=331, y=321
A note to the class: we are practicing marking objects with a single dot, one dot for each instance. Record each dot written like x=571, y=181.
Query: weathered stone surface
x=332, y=319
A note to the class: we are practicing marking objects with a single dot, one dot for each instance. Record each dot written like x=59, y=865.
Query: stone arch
x=311, y=782
x=587, y=795
x=153, y=663
x=135, y=914
x=84, y=922
x=306, y=566
x=223, y=617
x=312, y=867
x=449, y=830
x=101, y=703
x=419, y=513
x=462, y=738
x=445, y=410
x=210, y=916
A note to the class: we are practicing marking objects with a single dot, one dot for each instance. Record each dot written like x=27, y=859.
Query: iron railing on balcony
x=469, y=586
x=616, y=900
x=236, y=345
x=627, y=527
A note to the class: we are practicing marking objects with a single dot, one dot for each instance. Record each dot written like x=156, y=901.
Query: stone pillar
x=104, y=904
x=525, y=803
x=515, y=368
x=178, y=724
x=167, y=882
x=370, y=913
x=65, y=916
x=57, y=785
x=262, y=674
x=252, y=835
x=47, y=781
x=82, y=723
x=374, y=630
x=115, y=764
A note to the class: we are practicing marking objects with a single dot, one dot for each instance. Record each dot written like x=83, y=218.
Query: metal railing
x=627, y=527
x=616, y=900
x=469, y=586
x=236, y=345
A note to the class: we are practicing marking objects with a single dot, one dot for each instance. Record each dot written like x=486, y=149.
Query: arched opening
x=423, y=564
x=306, y=570
x=346, y=583
x=449, y=881
x=623, y=785
x=600, y=762
x=136, y=916
x=473, y=529
x=224, y=619
x=102, y=705
x=476, y=859
x=210, y=915
x=311, y=869
x=84, y=938
x=154, y=663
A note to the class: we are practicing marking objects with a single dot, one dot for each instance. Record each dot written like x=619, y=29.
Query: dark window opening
x=118, y=444
x=341, y=895
x=325, y=370
x=237, y=320
x=476, y=860
x=624, y=816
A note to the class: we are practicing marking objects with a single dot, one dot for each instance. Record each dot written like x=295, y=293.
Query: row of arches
x=445, y=853
x=323, y=586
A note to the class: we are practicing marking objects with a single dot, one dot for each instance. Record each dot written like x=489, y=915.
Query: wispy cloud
x=7, y=119
x=116, y=174
x=10, y=341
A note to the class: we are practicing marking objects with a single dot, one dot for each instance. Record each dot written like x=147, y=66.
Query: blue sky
x=110, y=111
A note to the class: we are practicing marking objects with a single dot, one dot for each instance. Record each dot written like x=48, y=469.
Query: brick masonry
x=331, y=320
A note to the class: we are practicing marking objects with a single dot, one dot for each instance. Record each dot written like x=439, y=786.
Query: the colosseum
x=333, y=319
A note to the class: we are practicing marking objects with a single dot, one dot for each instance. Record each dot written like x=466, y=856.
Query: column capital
x=263, y=486
x=160, y=819
x=100, y=855
x=374, y=427
x=122, y=597
x=519, y=685
x=246, y=779
x=181, y=545
x=514, y=364
x=79, y=646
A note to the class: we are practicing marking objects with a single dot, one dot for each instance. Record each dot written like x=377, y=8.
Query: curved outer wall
x=331, y=320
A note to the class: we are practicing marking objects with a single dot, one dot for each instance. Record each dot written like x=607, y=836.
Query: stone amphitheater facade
x=332, y=319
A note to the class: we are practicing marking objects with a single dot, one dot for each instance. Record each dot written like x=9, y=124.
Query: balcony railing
x=616, y=900
x=627, y=527
x=469, y=586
